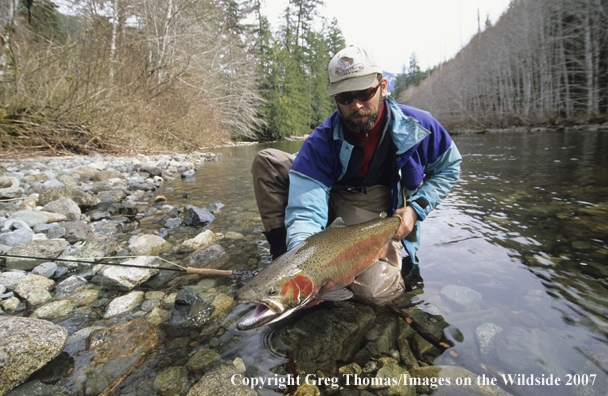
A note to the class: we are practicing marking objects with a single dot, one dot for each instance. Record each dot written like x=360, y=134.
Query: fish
x=320, y=268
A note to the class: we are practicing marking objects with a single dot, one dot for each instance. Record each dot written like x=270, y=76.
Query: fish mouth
x=263, y=313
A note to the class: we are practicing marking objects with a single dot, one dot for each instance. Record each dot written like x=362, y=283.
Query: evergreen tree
x=294, y=66
x=42, y=18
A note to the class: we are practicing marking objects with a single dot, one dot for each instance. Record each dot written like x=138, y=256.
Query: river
x=514, y=261
x=526, y=227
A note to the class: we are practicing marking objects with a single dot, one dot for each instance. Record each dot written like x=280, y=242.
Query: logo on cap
x=346, y=66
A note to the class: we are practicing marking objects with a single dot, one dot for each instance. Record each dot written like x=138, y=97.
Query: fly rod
x=188, y=270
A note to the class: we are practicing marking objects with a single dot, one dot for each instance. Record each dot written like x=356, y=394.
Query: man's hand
x=408, y=219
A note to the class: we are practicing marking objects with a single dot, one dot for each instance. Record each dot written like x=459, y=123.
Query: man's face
x=360, y=116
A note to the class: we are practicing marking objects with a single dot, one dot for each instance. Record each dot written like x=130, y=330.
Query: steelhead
x=318, y=268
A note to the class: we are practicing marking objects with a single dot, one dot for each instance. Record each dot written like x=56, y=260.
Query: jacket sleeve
x=440, y=176
x=307, y=208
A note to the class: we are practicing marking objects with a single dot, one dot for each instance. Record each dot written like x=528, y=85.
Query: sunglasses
x=347, y=98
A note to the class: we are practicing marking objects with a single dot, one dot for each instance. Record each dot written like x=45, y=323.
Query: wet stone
x=319, y=339
x=54, y=309
x=64, y=206
x=45, y=269
x=149, y=305
x=148, y=245
x=213, y=256
x=387, y=373
x=202, y=360
x=31, y=217
x=43, y=248
x=83, y=297
x=38, y=296
x=171, y=381
x=16, y=237
x=32, y=282
x=11, y=279
x=98, y=246
x=484, y=335
x=189, y=312
x=201, y=240
x=69, y=285
x=75, y=231
x=80, y=197
x=27, y=344
x=158, y=316
x=10, y=303
x=124, y=304
x=126, y=278
x=197, y=217
x=464, y=297
x=217, y=382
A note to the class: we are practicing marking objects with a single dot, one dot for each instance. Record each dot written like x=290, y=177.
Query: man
x=371, y=156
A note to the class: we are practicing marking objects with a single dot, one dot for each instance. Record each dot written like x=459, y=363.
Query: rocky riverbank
x=143, y=331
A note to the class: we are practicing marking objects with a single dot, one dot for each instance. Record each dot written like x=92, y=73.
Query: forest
x=167, y=75
x=141, y=75
x=545, y=62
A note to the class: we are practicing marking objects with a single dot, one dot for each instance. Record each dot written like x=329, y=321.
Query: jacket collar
x=405, y=131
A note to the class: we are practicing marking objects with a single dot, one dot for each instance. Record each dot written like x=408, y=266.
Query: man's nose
x=357, y=104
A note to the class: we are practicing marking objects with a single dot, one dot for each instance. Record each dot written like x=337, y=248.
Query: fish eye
x=271, y=291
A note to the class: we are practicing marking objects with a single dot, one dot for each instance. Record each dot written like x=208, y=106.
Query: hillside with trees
x=544, y=62
x=140, y=75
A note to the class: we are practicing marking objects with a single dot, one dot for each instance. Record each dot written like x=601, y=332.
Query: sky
x=434, y=29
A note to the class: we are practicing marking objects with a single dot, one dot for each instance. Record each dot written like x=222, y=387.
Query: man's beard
x=363, y=125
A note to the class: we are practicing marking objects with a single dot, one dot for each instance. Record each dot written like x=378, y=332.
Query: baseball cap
x=352, y=69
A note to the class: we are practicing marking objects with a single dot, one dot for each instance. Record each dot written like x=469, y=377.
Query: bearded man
x=372, y=155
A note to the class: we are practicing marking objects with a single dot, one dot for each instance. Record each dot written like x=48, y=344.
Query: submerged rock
x=171, y=381
x=115, y=350
x=332, y=333
x=190, y=311
x=197, y=217
x=213, y=256
x=202, y=360
x=218, y=382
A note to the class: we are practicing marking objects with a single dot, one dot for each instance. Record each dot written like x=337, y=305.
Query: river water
x=526, y=227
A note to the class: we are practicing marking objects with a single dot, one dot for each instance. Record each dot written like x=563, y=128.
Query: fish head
x=275, y=298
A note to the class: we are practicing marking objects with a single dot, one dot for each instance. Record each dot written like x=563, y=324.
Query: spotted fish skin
x=318, y=268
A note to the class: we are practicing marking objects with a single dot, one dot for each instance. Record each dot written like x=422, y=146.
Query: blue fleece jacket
x=426, y=165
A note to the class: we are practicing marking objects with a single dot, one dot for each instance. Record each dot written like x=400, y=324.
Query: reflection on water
x=525, y=229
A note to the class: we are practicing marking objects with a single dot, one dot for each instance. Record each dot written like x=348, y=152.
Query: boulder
x=44, y=249
x=149, y=245
x=81, y=198
x=26, y=345
x=64, y=206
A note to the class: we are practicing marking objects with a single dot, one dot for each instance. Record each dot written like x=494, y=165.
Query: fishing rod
x=188, y=270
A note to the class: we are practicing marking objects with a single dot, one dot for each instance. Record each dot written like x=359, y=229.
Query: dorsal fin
x=338, y=222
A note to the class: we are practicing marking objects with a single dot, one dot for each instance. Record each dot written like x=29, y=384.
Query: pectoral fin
x=338, y=222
